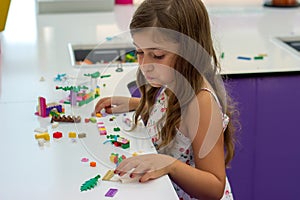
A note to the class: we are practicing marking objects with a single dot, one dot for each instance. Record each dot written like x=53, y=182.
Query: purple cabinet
x=267, y=161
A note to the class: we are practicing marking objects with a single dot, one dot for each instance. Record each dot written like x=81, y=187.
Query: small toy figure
x=60, y=77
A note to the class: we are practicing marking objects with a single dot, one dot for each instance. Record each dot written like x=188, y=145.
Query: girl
x=183, y=101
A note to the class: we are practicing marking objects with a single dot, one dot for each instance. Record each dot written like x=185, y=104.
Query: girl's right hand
x=116, y=104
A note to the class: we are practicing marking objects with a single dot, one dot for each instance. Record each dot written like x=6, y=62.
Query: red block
x=57, y=135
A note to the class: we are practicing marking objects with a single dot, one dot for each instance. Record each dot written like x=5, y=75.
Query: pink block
x=124, y=1
x=103, y=132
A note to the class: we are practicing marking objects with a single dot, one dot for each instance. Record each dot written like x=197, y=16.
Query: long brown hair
x=190, y=18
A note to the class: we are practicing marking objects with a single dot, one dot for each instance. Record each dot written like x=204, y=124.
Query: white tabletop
x=55, y=170
x=252, y=30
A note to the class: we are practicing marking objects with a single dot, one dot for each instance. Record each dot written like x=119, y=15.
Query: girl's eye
x=139, y=52
x=159, y=57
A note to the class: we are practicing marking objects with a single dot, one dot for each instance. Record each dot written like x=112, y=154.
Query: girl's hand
x=148, y=167
x=116, y=104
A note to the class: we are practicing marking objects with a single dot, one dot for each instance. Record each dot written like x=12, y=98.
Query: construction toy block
x=84, y=160
x=44, y=136
x=135, y=154
x=116, y=129
x=71, y=119
x=43, y=109
x=102, y=132
x=72, y=135
x=57, y=135
x=126, y=145
x=81, y=135
x=55, y=124
x=118, y=141
x=90, y=184
x=40, y=130
x=111, y=192
x=93, y=164
x=115, y=158
x=109, y=174
x=93, y=120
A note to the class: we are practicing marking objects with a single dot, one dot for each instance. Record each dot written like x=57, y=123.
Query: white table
x=55, y=171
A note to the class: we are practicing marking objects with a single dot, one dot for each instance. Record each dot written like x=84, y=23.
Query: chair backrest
x=133, y=89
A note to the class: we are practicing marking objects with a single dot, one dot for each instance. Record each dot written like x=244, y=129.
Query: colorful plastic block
x=55, y=124
x=116, y=129
x=93, y=120
x=84, y=160
x=90, y=184
x=69, y=118
x=44, y=136
x=93, y=164
x=41, y=130
x=111, y=192
x=57, y=135
x=118, y=141
x=72, y=135
x=81, y=135
x=109, y=174
x=115, y=158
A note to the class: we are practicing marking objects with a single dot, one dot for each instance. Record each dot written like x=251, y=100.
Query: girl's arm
x=117, y=104
x=207, y=180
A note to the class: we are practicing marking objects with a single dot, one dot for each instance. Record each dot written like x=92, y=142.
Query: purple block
x=111, y=192
x=73, y=98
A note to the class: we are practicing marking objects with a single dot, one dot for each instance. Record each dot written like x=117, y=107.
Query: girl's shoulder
x=198, y=107
x=202, y=109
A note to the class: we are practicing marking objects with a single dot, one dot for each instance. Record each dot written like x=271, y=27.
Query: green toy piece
x=97, y=75
x=90, y=184
x=72, y=88
x=93, y=75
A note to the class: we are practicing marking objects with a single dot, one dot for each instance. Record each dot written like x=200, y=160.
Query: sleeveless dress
x=180, y=147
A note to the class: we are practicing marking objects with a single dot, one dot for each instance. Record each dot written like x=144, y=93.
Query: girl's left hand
x=148, y=167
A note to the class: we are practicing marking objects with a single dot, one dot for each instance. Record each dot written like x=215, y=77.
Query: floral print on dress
x=158, y=111
x=180, y=148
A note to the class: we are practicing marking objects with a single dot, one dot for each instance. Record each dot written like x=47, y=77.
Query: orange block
x=93, y=164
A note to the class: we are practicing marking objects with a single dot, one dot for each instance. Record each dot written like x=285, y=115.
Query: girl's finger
x=148, y=176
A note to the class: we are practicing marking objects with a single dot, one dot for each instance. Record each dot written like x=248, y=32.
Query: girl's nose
x=146, y=65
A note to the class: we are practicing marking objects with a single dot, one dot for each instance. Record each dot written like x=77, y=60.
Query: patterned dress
x=180, y=147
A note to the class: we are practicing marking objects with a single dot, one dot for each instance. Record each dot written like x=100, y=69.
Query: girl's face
x=156, y=60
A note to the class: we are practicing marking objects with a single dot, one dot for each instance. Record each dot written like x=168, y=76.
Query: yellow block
x=4, y=6
x=72, y=135
x=44, y=136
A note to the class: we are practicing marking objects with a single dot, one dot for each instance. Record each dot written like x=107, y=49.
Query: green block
x=89, y=184
x=125, y=146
